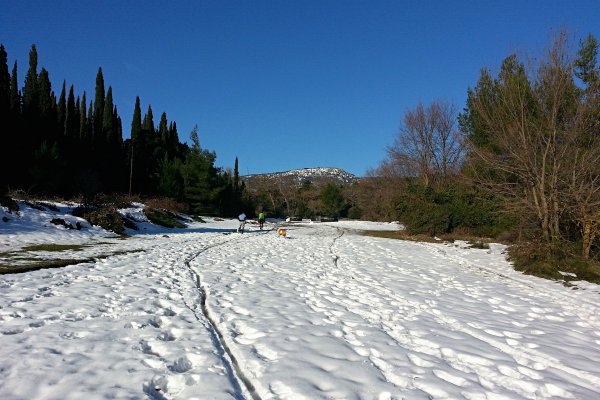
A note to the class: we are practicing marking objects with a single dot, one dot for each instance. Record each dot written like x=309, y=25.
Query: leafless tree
x=428, y=145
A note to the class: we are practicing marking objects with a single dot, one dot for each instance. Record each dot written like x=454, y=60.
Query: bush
x=355, y=212
x=163, y=218
x=108, y=219
x=424, y=210
x=546, y=260
x=478, y=244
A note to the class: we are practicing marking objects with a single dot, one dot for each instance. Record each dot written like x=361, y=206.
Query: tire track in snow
x=241, y=383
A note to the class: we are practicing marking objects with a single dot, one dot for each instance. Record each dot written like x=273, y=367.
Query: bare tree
x=428, y=145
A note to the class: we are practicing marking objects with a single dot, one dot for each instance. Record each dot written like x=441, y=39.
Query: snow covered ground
x=204, y=313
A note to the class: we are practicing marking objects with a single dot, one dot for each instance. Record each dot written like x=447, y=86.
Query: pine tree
x=585, y=64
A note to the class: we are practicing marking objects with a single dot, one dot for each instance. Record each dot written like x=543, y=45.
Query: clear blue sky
x=283, y=84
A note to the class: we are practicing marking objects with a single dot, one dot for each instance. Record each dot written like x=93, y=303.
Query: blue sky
x=284, y=84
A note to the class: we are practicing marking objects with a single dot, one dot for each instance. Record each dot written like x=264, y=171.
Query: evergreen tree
x=61, y=110
x=136, y=145
x=107, y=119
x=46, y=107
x=163, y=130
x=99, y=100
x=173, y=140
x=201, y=189
x=236, y=175
x=136, y=122
x=16, y=140
x=4, y=85
x=15, y=97
x=83, y=120
x=148, y=124
x=46, y=104
x=30, y=92
x=71, y=118
x=585, y=64
x=332, y=200
x=6, y=136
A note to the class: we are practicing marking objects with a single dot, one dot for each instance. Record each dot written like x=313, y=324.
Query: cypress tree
x=15, y=97
x=4, y=84
x=99, y=106
x=148, y=124
x=83, y=120
x=107, y=119
x=46, y=107
x=45, y=103
x=173, y=140
x=71, y=120
x=30, y=91
x=6, y=136
x=136, y=141
x=236, y=176
x=136, y=122
x=117, y=126
x=61, y=109
x=163, y=129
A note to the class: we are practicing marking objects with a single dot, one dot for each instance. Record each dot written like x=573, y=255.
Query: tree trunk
x=587, y=238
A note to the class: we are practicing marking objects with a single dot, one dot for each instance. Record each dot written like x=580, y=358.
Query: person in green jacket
x=261, y=220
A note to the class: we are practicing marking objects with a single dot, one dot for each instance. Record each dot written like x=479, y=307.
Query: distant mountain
x=299, y=176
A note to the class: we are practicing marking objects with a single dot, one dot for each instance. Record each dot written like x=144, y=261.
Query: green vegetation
x=54, y=247
x=54, y=263
x=548, y=260
x=479, y=244
x=163, y=218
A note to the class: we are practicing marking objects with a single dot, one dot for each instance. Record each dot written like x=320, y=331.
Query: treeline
x=72, y=145
x=521, y=162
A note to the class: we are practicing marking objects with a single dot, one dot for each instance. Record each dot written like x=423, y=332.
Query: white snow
x=325, y=313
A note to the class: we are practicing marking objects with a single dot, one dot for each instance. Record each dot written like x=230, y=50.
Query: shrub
x=546, y=260
x=163, y=218
x=456, y=207
x=478, y=244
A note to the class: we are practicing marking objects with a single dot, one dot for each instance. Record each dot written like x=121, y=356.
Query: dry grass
x=401, y=235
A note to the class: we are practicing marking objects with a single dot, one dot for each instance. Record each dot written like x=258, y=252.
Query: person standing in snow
x=242, y=219
x=261, y=220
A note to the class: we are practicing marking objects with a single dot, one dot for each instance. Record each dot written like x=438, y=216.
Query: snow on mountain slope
x=323, y=314
x=310, y=174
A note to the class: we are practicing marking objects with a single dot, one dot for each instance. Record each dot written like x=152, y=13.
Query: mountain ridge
x=308, y=174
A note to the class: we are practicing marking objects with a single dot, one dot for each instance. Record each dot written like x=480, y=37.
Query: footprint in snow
x=266, y=353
